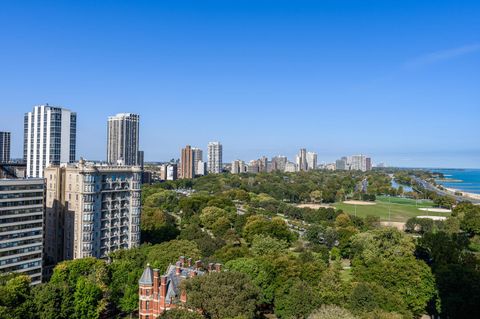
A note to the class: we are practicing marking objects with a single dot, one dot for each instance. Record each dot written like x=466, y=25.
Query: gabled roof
x=147, y=276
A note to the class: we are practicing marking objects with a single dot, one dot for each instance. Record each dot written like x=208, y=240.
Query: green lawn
x=401, y=209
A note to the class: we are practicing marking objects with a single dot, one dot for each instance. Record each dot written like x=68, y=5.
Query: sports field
x=390, y=208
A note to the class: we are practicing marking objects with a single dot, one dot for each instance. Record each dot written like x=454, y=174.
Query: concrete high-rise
x=123, y=139
x=302, y=160
x=279, y=162
x=91, y=210
x=49, y=138
x=215, y=157
x=197, y=155
x=186, y=163
x=5, y=147
x=311, y=160
x=21, y=227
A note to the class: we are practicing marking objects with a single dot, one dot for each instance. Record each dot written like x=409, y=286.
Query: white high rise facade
x=49, y=138
x=123, y=139
x=215, y=157
x=311, y=160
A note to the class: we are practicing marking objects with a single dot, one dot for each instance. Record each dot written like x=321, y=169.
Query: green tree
x=211, y=214
x=15, y=298
x=260, y=272
x=164, y=254
x=263, y=245
x=86, y=299
x=295, y=299
x=332, y=312
x=222, y=294
x=180, y=314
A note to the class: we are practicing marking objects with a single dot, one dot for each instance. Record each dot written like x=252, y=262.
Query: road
x=431, y=187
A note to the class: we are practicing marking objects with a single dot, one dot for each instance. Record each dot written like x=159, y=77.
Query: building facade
x=197, y=155
x=5, y=143
x=21, y=227
x=302, y=160
x=187, y=163
x=311, y=160
x=123, y=139
x=158, y=294
x=91, y=210
x=49, y=138
x=215, y=157
x=278, y=163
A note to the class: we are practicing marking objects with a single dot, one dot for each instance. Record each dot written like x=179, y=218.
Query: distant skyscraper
x=215, y=157
x=123, y=139
x=290, y=167
x=311, y=160
x=238, y=166
x=171, y=172
x=5, y=147
x=279, y=163
x=368, y=164
x=187, y=164
x=197, y=154
x=49, y=138
x=302, y=160
x=358, y=162
x=341, y=164
x=263, y=164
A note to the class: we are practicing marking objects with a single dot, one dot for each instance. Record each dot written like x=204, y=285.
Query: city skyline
x=335, y=78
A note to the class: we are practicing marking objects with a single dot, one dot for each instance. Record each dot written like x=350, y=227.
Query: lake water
x=467, y=180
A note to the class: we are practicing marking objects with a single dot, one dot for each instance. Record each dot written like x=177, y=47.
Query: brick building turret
x=161, y=293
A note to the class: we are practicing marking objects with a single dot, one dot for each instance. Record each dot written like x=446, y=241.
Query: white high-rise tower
x=123, y=139
x=215, y=157
x=49, y=138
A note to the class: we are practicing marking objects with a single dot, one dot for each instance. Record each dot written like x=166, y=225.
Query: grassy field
x=393, y=209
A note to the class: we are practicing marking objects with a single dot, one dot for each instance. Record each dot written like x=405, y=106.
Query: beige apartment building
x=91, y=210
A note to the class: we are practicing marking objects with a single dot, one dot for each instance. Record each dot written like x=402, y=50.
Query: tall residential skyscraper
x=302, y=160
x=21, y=227
x=91, y=210
x=197, y=155
x=123, y=139
x=279, y=162
x=49, y=138
x=4, y=147
x=187, y=163
x=215, y=157
x=311, y=160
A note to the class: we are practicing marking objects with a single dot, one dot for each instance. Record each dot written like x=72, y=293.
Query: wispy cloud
x=442, y=55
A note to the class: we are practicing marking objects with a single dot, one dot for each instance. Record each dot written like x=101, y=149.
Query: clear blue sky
x=398, y=80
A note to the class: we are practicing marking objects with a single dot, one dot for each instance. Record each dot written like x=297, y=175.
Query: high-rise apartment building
x=5, y=147
x=123, y=139
x=238, y=167
x=172, y=172
x=311, y=160
x=302, y=160
x=91, y=210
x=197, y=156
x=279, y=162
x=187, y=163
x=341, y=164
x=21, y=227
x=368, y=164
x=215, y=157
x=49, y=138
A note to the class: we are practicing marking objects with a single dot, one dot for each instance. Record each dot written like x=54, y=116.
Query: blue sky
x=398, y=80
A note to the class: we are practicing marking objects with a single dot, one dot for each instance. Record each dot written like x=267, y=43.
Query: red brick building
x=161, y=293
